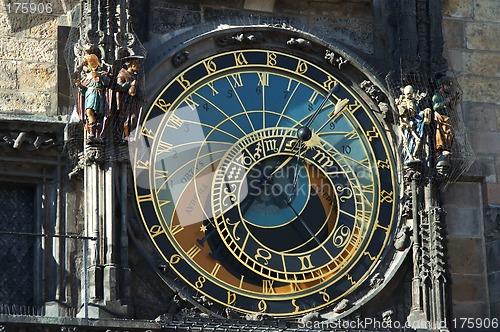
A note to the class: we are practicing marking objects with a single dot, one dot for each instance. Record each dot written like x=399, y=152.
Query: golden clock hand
x=339, y=106
x=320, y=107
x=280, y=166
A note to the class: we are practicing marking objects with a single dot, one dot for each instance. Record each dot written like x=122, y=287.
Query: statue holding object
x=129, y=97
x=93, y=102
x=443, y=101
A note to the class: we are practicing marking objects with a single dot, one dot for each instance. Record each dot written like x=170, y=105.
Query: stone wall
x=471, y=29
x=28, y=57
x=339, y=20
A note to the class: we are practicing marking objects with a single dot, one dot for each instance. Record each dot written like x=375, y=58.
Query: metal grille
x=16, y=252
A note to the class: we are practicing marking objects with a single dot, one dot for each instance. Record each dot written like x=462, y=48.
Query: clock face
x=245, y=212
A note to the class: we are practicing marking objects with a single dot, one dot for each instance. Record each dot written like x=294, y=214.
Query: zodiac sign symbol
x=229, y=194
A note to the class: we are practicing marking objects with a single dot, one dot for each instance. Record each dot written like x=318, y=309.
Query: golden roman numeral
x=313, y=97
x=142, y=164
x=263, y=79
x=267, y=286
x=191, y=103
x=216, y=269
x=174, y=230
x=295, y=287
x=174, y=122
x=238, y=82
x=193, y=251
x=164, y=147
x=211, y=86
x=145, y=198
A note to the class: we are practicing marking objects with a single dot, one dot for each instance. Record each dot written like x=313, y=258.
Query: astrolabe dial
x=244, y=209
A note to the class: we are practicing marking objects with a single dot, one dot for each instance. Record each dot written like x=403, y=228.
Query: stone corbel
x=27, y=141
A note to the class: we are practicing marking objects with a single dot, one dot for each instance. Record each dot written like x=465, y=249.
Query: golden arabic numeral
x=163, y=105
x=210, y=66
x=294, y=304
x=301, y=67
x=174, y=259
x=383, y=164
x=239, y=59
x=200, y=282
x=386, y=196
x=183, y=82
x=306, y=263
x=262, y=306
x=271, y=59
x=329, y=82
x=156, y=230
x=231, y=297
x=326, y=296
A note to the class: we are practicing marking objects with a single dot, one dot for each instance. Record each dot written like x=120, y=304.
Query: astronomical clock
x=265, y=173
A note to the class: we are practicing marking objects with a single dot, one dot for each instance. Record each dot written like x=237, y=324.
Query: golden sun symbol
x=313, y=142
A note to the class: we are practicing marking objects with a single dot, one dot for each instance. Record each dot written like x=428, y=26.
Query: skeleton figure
x=411, y=122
